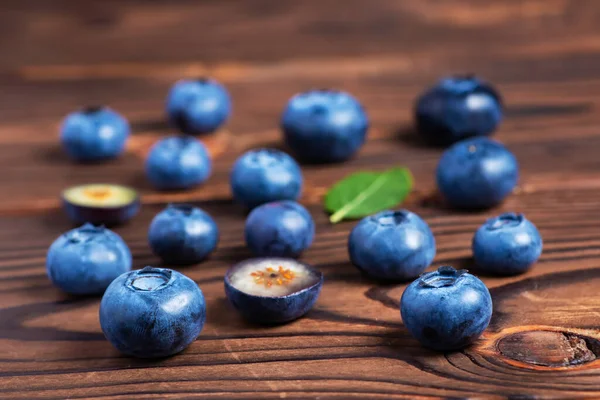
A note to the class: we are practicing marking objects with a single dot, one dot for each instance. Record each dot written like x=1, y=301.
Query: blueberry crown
x=507, y=220
x=92, y=109
x=266, y=156
x=185, y=209
x=444, y=276
x=465, y=84
x=180, y=142
x=391, y=218
x=325, y=90
x=149, y=279
x=86, y=233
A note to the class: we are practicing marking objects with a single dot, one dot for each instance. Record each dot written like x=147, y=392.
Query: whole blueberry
x=324, y=125
x=477, y=173
x=446, y=309
x=457, y=108
x=85, y=260
x=94, y=134
x=183, y=235
x=178, y=162
x=392, y=245
x=152, y=312
x=198, y=106
x=507, y=244
x=264, y=175
x=279, y=229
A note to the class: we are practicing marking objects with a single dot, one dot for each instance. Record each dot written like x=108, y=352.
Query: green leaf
x=364, y=193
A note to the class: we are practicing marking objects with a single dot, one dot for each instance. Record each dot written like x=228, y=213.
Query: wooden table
x=544, y=55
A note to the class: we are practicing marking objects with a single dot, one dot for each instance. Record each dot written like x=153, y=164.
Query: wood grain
x=544, y=338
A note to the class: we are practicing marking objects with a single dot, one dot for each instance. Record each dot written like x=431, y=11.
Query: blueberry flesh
x=457, y=108
x=508, y=244
x=392, y=245
x=279, y=229
x=198, y=106
x=264, y=175
x=477, y=173
x=94, y=134
x=183, y=235
x=178, y=162
x=100, y=204
x=85, y=260
x=446, y=309
x=272, y=290
x=152, y=312
x=324, y=125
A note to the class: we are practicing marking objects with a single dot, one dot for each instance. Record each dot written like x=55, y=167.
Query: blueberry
x=84, y=261
x=477, y=173
x=324, y=125
x=272, y=290
x=264, y=175
x=178, y=162
x=457, y=108
x=446, y=309
x=152, y=312
x=100, y=204
x=183, y=235
x=94, y=134
x=392, y=245
x=507, y=244
x=279, y=229
x=198, y=106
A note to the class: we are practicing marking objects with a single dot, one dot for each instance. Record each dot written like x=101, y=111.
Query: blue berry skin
x=392, y=245
x=94, y=134
x=178, y=162
x=198, y=106
x=324, y=125
x=477, y=173
x=273, y=310
x=457, y=108
x=264, y=175
x=183, y=235
x=85, y=260
x=508, y=244
x=152, y=312
x=446, y=309
x=279, y=229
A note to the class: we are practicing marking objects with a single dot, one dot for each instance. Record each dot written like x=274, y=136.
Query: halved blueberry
x=272, y=290
x=100, y=204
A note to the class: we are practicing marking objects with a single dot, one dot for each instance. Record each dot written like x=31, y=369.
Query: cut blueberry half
x=100, y=204
x=272, y=290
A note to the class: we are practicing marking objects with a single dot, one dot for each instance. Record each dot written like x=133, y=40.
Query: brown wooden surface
x=544, y=55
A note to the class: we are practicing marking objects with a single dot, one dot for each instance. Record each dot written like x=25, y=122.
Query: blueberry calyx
x=203, y=80
x=318, y=110
x=507, y=220
x=265, y=156
x=150, y=279
x=391, y=218
x=185, y=209
x=84, y=233
x=185, y=140
x=91, y=228
x=92, y=109
x=461, y=85
x=468, y=76
x=443, y=277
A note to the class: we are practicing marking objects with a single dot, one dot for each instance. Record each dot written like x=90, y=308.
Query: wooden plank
x=544, y=338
